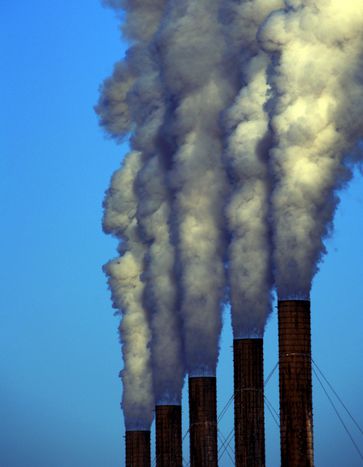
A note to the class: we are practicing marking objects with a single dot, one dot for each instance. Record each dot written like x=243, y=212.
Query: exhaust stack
x=168, y=436
x=249, y=417
x=138, y=449
x=296, y=413
x=203, y=421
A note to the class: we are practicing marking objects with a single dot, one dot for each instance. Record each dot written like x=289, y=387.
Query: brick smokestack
x=138, y=449
x=296, y=414
x=168, y=436
x=203, y=421
x=249, y=420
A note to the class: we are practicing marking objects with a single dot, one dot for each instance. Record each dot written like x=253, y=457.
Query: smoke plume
x=246, y=157
x=192, y=50
x=160, y=295
x=316, y=119
x=139, y=102
x=139, y=20
x=127, y=289
x=244, y=119
x=112, y=107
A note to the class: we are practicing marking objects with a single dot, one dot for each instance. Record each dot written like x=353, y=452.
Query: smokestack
x=249, y=421
x=203, y=421
x=296, y=412
x=168, y=436
x=138, y=449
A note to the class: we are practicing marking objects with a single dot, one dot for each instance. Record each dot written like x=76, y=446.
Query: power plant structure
x=296, y=412
x=168, y=422
x=249, y=418
x=227, y=193
x=138, y=449
x=296, y=417
x=203, y=421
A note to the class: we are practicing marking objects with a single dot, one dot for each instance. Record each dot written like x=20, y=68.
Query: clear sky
x=59, y=351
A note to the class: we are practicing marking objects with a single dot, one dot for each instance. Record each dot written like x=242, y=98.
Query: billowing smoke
x=132, y=100
x=192, y=52
x=244, y=118
x=140, y=20
x=160, y=295
x=127, y=291
x=246, y=157
x=112, y=108
x=316, y=119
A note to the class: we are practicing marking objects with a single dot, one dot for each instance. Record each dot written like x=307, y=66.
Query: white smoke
x=147, y=108
x=130, y=101
x=246, y=156
x=160, y=286
x=140, y=21
x=112, y=107
x=316, y=119
x=246, y=117
x=192, y=51
x=142, y=101
x=127, y=291
x=249, y=252
x=139, y=18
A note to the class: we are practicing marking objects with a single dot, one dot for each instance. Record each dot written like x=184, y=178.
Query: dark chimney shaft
x=168, y=436
x=296, y=413
x=138, y=449
x=249, y=422
x=203, y=421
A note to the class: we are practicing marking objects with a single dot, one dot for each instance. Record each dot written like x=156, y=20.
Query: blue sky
x=59, y=351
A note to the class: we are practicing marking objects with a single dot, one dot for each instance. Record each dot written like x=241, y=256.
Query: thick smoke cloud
x=112, y=108
x=146, y=103
x=160, y=295
x=127, y=291
x=244, y=118
x=140, y=20
x=192, y=50
x=148, y=109
x=316, y=119
x=246, y=157
x=141, y=100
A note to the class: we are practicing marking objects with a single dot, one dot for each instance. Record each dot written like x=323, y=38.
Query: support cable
x=229, y=449
x=271, y=409
x=186, y=434
x=225, y=440
x=338, y=415
x=270, y=374
x=225, y=408
x=339, y=398
x=228, y=440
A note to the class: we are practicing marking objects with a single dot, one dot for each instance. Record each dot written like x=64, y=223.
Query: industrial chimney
x=296, y=414
x=138, y=449
x=168, y=436
x=203, y=421
x=249, y=419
